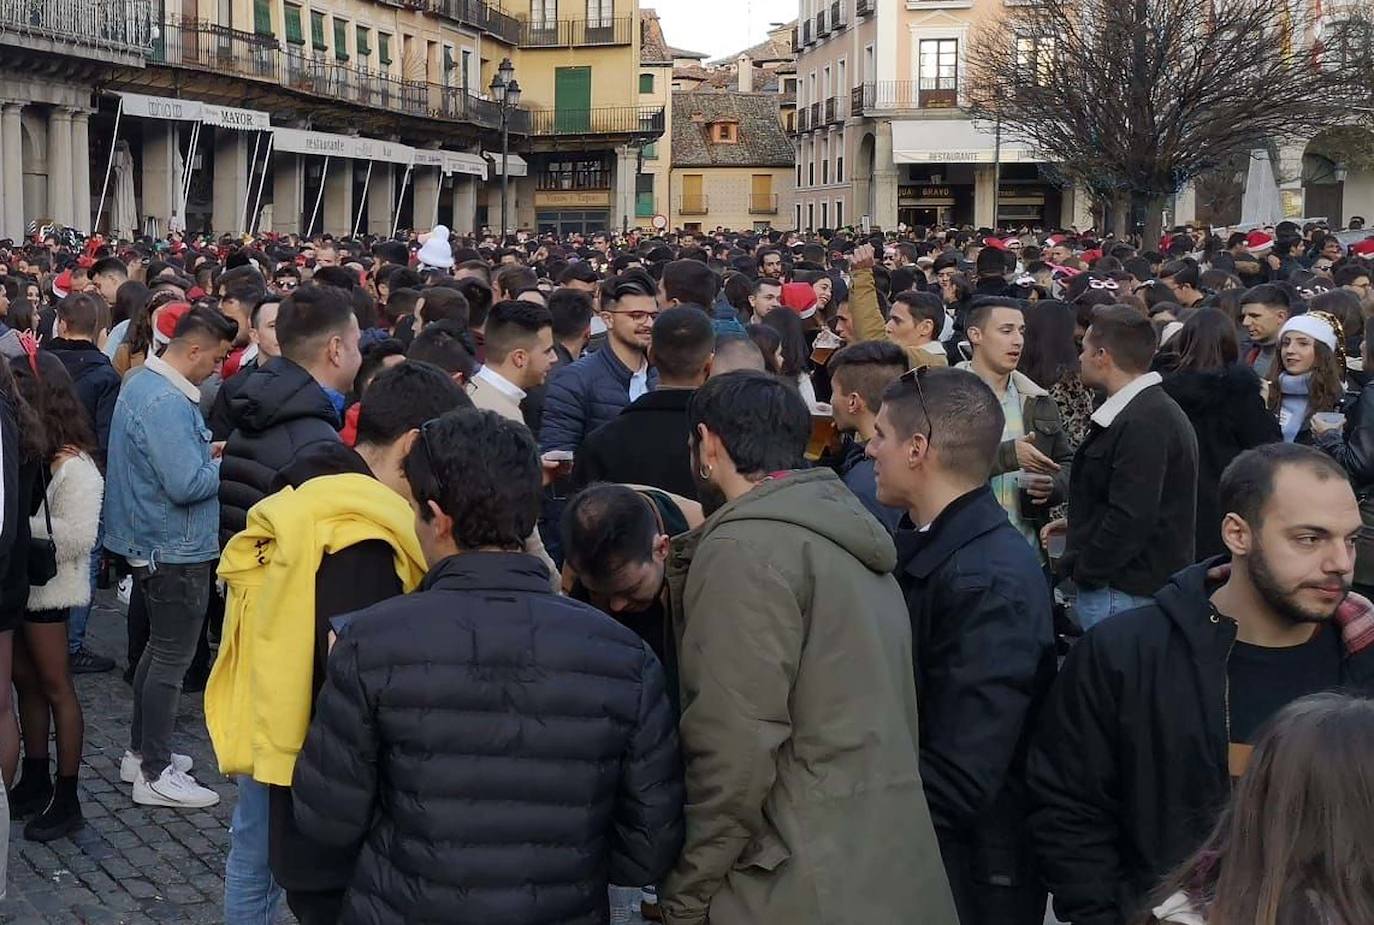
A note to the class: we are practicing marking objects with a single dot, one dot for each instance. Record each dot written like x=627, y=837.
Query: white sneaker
x=173, y=788
x=133, y=763
x=124, y=591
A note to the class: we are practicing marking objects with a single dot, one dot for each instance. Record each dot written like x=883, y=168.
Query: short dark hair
x=514, y=324
x=690, y=281
x=1266, y=294
x=514, y=277
x=762, y=421
x=206, y=323
x=483, y=471
x=632, y=282
x=1248, y=482
x=923, y=306
x=1126, y=335
x=982, y=310
x=1182, y=272
x=403, y=397
x=391, y=251
x=869, y=367
x=80, y=312
x=110, y=265
x=1346, y=275
x=683, y=340
x=445, y=304
x=309, y=313
x=607, y=527
x=478, y=294
x=244, y=285
x=338, y=277
x=572, y=312
x=965, y=420
x=762, y=281
x=400, y=277
x=447, y=345
x=580, y=271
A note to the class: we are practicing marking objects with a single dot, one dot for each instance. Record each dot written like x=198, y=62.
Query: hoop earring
x=704, y=473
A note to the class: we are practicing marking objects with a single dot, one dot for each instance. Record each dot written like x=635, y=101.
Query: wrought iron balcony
x=832, y=110
x=821, y=28
x=643, y=121
x=481, y=16
x=835, y=10
x=124, y=26
x=763, y=203
x=899, y=96
x=572, y=33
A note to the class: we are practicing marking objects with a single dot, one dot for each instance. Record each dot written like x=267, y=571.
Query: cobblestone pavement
x=134, y=864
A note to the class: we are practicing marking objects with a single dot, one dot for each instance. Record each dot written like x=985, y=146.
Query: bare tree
x=1134, y=99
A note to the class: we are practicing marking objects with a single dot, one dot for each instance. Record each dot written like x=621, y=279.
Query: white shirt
x=639, y=382
x=1113, y=406
x=501, y=384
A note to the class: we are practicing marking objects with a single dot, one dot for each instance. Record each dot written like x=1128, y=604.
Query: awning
x=517, y=165
x=245, y=120
x=299, y=141
x=452, y=161
x=954, y=141
x=164, y=107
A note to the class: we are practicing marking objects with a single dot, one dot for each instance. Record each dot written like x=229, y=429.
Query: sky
x=720, y=27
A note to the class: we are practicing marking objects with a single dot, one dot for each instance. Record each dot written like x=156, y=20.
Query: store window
x=574, y=174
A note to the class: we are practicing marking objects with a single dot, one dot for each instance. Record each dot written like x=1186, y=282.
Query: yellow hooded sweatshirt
x=257, y=701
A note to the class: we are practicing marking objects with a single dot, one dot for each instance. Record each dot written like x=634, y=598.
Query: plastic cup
x=1331, y=418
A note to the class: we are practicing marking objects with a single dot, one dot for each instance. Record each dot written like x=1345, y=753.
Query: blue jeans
x=251, y=896
x=77, y=617
x=1097, y=604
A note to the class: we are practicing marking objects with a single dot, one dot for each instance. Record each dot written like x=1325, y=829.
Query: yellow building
x=340, y=116
x=655, y=90
x=731, y=162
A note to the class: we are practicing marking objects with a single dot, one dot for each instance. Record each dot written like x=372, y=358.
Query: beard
x=1284, y=601
x=709, y=495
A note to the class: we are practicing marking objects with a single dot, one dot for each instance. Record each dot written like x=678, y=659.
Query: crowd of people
x=918, y=576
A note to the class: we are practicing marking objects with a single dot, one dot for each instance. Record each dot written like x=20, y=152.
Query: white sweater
x=75, y=492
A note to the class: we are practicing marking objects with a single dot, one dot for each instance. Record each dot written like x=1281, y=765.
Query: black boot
x=34, y=790
x=62, y=815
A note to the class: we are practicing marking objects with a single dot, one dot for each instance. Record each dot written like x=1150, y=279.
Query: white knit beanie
x=435, y=252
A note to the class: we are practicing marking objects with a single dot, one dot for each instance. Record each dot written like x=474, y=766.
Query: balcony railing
x=209, y=47
x=693, y=204
x=645, y=121
x=479, y=15
x=583, y=180
x=114, y=25
x=570, y=33
x=816, y=115
x=803, y=123
x=806, y=32
x=832, y=111
x=864, y=7
x=763, y=203
x=899, y=95
x=835, y=9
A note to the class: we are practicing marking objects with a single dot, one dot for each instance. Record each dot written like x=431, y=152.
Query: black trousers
x=315, y=907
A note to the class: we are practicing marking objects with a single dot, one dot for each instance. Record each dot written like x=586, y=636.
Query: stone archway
x=34, y=144
x=1338, y=174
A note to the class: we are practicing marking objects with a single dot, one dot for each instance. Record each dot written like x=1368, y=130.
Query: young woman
x=1293, y=848
x=1311, y=379
x=69, y=516
x=1050, y=358
x=794, y=351
x=1222, y=399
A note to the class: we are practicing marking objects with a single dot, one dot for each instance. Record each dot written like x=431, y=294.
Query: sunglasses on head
x=914, y=376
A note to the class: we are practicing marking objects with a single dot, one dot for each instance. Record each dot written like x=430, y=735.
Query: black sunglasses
x=914, y=376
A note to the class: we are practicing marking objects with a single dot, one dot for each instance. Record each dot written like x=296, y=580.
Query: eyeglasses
x=914, y=376
x=429, y=461
x=638, y=316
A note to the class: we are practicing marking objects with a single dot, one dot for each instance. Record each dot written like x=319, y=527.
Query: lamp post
x=506, y=91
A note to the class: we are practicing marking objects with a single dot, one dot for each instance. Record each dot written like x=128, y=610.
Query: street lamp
x=506, y=91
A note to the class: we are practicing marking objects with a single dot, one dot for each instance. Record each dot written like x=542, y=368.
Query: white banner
x=159, y=107
x=245, y=120
x=452, y=162
x=299, y=141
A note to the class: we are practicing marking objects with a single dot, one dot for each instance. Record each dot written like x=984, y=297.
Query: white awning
x=452, y=161
x=161, y=107
x=517, y=165
x=245, y=120
x=954, y=141
x=299, y=141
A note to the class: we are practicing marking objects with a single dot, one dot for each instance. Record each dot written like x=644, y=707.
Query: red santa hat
x=1363, y=248
x=1258, y=243
x=995, y=243
x=800, y=297
x=1055, y=240
x=62, y=285
x=168, y=317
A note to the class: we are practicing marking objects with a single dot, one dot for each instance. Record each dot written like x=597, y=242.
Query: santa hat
x=1258, y=243
x=1363, y=248
x=62, y=285
x=1055, y=240
x=1313, y=326
x=995, y=243
x=168, y=317
x=436, y=251
x=800, y=297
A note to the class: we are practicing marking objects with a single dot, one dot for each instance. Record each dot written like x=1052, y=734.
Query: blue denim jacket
x=161, y=485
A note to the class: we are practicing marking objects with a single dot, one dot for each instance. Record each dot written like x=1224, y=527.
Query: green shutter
x=340, y=40
x=364, y=42
x=294, y=35
x=317, y=31
x=383, y=48
x=262, y=17
x=651, y=151
x=572, y=99
x=646, y=83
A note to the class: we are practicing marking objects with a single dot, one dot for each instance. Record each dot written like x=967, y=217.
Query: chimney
x=745, y=67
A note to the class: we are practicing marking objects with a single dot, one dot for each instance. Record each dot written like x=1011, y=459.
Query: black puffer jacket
x=279, y=411
x=1228, y=417
x=96, y=383
x=499, y=753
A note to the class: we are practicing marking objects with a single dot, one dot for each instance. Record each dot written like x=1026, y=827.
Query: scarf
x=1293, y=407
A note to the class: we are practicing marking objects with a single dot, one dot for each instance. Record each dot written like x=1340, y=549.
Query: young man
x=688, y=282
x=493, y=656
x=1263, y=310
x=862, y=320
x=799, y=706
x=859, y=374
x=770, y=265
x=767, y=295
x=1183, y=280
x=520, y=353
x=263, y=349
x=1133, y=492
x=590, y=392
x=161, y=513
x=646, y=444
x=1033, y=440
x=97, y=387
x=981, y=609
x=1155, y=712
x=571, y=309
x=107, y=275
